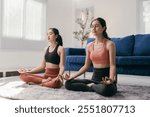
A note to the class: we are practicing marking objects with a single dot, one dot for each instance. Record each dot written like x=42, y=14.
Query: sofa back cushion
x=142, y=45
x=77, y=51
x=124, y=45
x=90, y=40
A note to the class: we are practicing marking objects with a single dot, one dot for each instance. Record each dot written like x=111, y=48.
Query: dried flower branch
x=83, y=33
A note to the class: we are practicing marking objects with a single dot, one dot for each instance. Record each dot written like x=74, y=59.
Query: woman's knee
x=105, y=90
x=109, y=90
x=24, y=77
x=68, y=84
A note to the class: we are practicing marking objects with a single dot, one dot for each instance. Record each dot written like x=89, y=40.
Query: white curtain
x=146, y=16
x=24, y=19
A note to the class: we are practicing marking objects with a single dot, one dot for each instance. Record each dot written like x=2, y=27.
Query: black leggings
x=82, y=84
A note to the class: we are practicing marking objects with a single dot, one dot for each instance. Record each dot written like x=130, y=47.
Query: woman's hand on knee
x=67, y=77
x=107, y=81
x=59, y=78
x=22, y=70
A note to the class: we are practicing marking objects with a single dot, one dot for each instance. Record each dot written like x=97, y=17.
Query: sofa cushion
x=74, y=63
x=133, y=60
x=75, y=59
x=75, y=51
x=124, y=46
x=142, y=45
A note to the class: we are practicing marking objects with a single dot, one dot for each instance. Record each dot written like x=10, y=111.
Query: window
x=23, y=22
x=144, y=16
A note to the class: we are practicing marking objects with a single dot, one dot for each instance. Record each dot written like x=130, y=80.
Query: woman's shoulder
x=46, y=48
x=90, y=44
x=110, y=43
x=61, y=48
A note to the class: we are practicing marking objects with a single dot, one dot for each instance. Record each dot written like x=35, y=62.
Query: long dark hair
x=103, y=24
x=59, y=38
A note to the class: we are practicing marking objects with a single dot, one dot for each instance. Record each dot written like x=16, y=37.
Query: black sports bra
x=52, y=57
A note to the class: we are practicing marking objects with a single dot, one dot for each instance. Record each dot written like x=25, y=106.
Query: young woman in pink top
x=102, y=54
x=52, y=63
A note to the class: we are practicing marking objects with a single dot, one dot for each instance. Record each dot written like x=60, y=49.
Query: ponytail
x=59, y=40
x=106, y=35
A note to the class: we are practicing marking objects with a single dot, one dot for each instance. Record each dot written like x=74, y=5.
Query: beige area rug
x=13, y=88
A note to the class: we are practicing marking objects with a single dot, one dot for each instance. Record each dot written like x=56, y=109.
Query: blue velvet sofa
x=132, y=55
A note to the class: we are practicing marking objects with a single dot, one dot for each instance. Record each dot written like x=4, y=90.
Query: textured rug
x=13, y=88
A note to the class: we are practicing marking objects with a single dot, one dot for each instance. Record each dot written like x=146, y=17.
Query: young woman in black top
x=53, y=64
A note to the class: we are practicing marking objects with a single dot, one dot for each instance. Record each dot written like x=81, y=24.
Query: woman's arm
x=112, y=57
x=86, y=65
x=62, y=60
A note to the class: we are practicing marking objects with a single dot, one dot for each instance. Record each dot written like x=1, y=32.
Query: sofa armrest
x=75, y=51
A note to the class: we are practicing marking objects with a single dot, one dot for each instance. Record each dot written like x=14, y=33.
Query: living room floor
x=122, y=79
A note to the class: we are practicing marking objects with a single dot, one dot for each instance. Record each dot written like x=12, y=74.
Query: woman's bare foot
x=31, y=83
x=90, y=84
x=46, y=80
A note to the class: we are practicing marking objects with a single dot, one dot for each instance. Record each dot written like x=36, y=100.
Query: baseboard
x=12, y=73
x=1, y=74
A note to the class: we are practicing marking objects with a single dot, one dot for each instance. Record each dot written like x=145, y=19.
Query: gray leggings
x=102, y=89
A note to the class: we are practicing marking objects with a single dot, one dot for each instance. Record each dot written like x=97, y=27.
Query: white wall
x=120, y=16
x=60, y=13
x=13, y=59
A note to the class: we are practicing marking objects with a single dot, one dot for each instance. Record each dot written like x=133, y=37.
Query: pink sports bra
x=100, y=56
